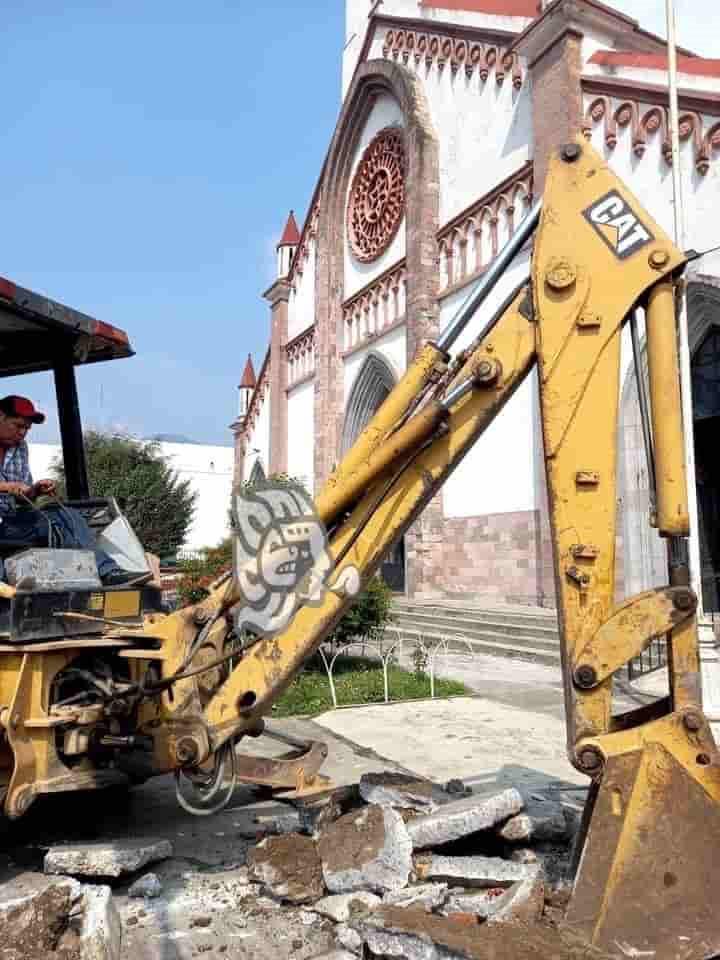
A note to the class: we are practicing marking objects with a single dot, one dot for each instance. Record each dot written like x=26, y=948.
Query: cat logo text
x=621, y=230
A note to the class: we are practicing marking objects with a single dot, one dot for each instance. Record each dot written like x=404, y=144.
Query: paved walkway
x=512, y=732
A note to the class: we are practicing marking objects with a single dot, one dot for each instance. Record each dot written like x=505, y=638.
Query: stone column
x=277, y=296
x=239, y=463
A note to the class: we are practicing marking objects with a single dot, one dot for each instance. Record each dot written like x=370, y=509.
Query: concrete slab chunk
x=481, y=904
x=400, y=791
x=61, y=917
x=524, y=901
x=334, y=955
x=415, y=935
x=349, y=939
x=147, y=886
x=367, y=849
x=473, y=871
x=288, y=867
x=538, y=822
x=338, y=907
x=111, y=859
x=429, y=896
x=463, y=817
x=100, y=931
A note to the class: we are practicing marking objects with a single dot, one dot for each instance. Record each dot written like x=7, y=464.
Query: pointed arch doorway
x=706, y=417
x=372, y=385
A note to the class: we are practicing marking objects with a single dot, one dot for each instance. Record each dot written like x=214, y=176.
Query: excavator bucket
x=647, y=879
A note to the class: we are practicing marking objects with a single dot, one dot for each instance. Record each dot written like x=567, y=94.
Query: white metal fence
x=409, y=650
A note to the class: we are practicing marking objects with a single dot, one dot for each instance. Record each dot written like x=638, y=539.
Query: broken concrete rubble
x=367, y=849
x=429, y=896
x=416, y=935
x=100, y=931
x=147, y=886
x=400, y=790
x=62, y=918
x=334, y=955
x=480, y=904
x=110, y=859
x=473, y=871
x=288, y=867
x=348, y=938
x=524, y=901
x=539, y=821
x=281, y=822
x=462, y=818
x=338, y=907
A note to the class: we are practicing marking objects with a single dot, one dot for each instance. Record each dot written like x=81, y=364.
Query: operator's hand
x=44, y=487
x=16, y=489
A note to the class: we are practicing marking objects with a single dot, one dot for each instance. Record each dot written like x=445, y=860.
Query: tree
x=158, y=505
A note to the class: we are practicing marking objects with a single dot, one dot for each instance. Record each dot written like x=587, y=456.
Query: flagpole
x=683, y=343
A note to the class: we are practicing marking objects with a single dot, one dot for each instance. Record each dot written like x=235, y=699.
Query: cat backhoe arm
x=645, y=880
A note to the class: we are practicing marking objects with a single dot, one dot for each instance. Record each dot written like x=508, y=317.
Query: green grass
x=357, y=680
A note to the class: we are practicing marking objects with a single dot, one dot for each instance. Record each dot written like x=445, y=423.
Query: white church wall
x=209, y=468
x=386, y=112
x=258, y=440
x=392, y=348
x=301, y=306
x=484, y=129
x=497, y=475
x=301, y=434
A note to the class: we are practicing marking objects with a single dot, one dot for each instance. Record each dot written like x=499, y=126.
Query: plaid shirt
x=15, y=469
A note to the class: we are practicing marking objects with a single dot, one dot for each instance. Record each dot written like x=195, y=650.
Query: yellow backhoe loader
x=94, y=689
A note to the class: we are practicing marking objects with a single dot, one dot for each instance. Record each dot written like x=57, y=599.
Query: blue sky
x=151, y=152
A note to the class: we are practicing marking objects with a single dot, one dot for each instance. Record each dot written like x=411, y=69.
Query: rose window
x=377, y=196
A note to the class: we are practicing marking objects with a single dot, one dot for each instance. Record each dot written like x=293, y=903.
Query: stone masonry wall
x=493, y=558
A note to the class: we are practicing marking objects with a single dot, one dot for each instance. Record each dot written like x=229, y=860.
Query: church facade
x=450, y=110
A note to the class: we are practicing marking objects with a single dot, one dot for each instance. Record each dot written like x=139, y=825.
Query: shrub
x=367, y=617
x=158, y=505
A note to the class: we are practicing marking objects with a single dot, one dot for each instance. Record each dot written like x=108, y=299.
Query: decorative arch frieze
x=650, y=121
x=434, y=48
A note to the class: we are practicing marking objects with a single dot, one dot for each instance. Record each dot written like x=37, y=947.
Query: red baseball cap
x=21, y=407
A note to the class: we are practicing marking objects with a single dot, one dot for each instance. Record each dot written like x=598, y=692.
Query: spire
x=248, y=377
x=291, y=234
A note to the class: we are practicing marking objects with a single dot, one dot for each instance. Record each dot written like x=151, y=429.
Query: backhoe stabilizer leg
x=647, y=875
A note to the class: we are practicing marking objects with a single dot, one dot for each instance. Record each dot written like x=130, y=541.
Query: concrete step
x=496, y=615
x=493, y=645
x=503, y=631
x=475, y=626
x=519, y=640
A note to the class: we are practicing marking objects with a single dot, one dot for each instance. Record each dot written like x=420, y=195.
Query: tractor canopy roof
x=34, y=331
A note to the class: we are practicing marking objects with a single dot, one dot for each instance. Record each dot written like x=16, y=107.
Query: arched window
x=257, y=474
x=706, y=376
x=373, y=384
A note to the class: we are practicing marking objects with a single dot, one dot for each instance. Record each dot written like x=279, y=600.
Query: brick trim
x=543, y=52
x=421, y=223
